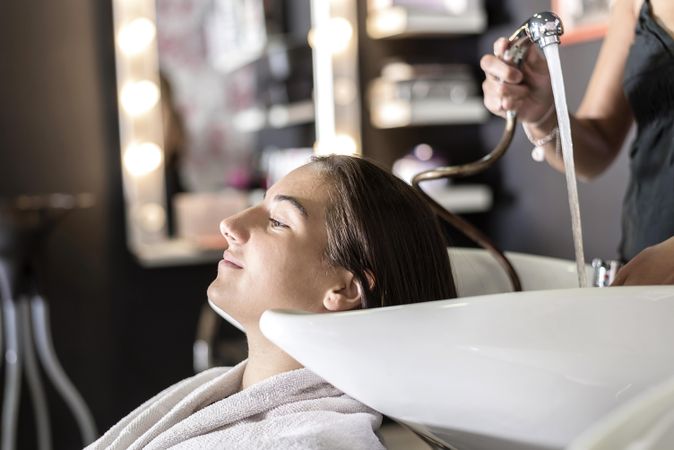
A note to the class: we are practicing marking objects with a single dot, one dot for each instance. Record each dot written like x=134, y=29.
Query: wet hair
x=381, y=230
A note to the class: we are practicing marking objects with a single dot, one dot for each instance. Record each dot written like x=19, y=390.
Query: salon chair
x=25, y=224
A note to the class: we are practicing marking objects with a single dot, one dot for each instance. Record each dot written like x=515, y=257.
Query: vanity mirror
x=218, y=99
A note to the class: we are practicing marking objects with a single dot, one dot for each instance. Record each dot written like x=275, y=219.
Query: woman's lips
x=229, y=261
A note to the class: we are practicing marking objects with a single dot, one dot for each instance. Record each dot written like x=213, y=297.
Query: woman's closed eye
x=277, y=224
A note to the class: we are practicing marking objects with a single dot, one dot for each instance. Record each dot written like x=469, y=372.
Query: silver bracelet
x=538, y=152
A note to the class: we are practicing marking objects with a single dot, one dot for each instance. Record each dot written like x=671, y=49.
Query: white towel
x=292, y=410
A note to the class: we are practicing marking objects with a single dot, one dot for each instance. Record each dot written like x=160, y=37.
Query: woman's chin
x=215, y=297
x=217, y=291
x=212, y=291
x=220, y=311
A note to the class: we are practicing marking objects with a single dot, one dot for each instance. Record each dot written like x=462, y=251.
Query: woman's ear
x=345, y=296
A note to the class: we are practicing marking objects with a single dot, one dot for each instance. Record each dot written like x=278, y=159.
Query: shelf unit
x=277, y=116
x=401, y=118
x=401, y=22
x=399, y=113
x=464, y=198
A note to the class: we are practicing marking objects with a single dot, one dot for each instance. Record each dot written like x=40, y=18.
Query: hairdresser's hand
x=526, y=89
x=655, y=265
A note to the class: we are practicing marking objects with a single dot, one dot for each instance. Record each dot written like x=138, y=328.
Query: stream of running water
x=564, y=123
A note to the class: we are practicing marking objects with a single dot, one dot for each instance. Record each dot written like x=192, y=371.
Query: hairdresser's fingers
x=620, y=278
x=492, y=88
x=493, y=95
x=511, y=103
x=536, y=61
x=538, y=79
x=653, y=265
x=501, y=97
x=500, y=46
x=492, y=102
x=497, y=68
x=494, y=106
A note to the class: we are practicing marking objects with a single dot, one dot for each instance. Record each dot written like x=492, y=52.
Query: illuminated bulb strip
x=139, y=97
x=140, y=121
x=323, y=79
x=341, y=34
x=136, y=36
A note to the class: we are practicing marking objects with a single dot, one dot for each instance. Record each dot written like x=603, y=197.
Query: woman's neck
x=264, y=360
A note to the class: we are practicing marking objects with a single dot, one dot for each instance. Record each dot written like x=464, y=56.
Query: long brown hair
x=384, y=232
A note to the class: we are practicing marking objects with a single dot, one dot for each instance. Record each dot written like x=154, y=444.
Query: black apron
x=648, y=210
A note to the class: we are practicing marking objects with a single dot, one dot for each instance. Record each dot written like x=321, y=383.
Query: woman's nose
x=236, y=228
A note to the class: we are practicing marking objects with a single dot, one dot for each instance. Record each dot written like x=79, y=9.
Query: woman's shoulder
x=662, y=11
x=637, y=5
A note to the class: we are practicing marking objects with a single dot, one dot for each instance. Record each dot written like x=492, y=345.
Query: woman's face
x=275, y=252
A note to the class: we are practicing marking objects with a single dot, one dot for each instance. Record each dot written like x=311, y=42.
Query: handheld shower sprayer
x=543, y=28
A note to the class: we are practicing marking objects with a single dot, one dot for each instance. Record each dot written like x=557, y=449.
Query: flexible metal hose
x=465, y=170
x=542, y=29
x=12, y=360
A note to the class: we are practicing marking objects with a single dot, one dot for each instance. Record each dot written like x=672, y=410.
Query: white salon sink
x=528, y=370
x=476, y=272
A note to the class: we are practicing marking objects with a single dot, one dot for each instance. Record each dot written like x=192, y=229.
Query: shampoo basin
x=525, y=370
x=476, y=272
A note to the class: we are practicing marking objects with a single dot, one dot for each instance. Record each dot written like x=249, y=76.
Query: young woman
x=633, y=81
x=334, y=235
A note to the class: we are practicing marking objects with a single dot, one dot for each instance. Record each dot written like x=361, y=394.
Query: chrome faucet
x=604, y=272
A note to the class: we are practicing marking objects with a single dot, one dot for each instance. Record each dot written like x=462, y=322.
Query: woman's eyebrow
x=293, y=201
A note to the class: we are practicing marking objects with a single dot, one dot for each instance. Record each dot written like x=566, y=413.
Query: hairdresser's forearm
x=604, y=117
x=595, y=145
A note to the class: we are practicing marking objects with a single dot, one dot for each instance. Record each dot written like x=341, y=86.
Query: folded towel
x=292, y=410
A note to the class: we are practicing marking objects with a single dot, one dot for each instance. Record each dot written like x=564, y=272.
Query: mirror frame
x=336, y=102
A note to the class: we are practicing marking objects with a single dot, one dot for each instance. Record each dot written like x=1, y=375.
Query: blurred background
x=237, y=111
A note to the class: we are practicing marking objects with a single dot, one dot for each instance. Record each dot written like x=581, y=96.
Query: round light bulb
x=141, y=159
x=341, y=144
x=335, y=36
x=139, y=97
x=136, y=36
x=345, y=145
